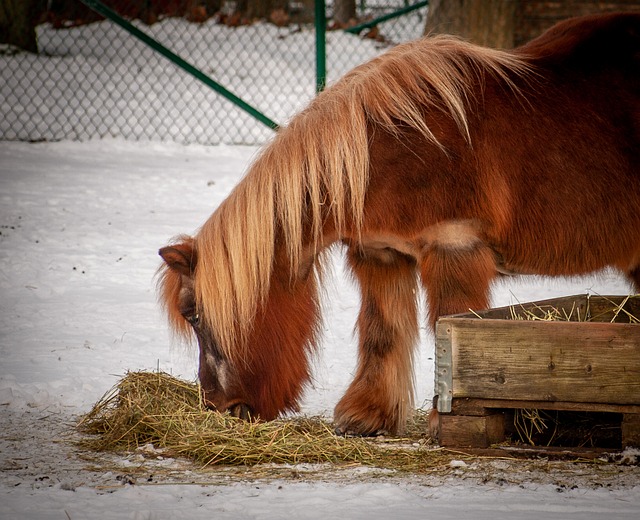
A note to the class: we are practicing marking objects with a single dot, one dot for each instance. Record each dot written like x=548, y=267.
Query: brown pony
x=440, y=163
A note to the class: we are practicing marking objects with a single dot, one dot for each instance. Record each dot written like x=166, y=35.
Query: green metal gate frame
x=320, y=25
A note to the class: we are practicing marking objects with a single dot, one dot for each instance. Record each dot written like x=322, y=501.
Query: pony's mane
x=317, y=168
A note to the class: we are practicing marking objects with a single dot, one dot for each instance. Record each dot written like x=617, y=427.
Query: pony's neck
x=280, y=343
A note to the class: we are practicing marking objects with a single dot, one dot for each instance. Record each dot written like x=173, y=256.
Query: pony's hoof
x=434, y=424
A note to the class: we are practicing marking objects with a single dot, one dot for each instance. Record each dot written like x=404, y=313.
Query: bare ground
x=39, y=449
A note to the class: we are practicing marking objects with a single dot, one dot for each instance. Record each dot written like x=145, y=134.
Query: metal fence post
x=321, y=45
x=356, y=29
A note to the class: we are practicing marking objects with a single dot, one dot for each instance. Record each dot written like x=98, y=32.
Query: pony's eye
x=194, y=319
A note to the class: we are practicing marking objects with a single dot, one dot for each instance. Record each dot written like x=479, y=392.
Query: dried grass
x=618, y=311
x=167, y=412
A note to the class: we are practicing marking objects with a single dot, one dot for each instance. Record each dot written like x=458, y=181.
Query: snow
x=80, y=226
x=360, y=501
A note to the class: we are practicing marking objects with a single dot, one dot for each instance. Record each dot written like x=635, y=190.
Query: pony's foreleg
x=381, y=393
x=457, y=279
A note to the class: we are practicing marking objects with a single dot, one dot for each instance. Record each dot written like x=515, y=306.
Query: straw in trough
x=552, y=427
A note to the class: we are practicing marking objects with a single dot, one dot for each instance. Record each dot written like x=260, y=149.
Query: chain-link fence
x=91, y=79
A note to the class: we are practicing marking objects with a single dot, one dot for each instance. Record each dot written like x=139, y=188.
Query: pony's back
x=593, y=62
x=589, y=41
x=571, y=154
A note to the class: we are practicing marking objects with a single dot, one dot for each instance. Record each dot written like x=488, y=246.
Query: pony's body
x=439, y=162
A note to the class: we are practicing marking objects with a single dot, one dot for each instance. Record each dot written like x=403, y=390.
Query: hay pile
x=167, y=412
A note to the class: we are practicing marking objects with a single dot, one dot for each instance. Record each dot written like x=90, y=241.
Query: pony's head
x=219, y=380
x=253, y=366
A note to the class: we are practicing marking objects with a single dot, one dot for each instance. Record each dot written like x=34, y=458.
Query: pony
x=439, y=163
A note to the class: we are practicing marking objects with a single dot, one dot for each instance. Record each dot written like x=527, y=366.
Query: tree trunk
x=18, y=23
x=259, y=9
x=344, y=11
x=303, y=11
x=485, y=22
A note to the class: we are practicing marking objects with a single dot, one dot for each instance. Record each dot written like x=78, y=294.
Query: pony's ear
x=180, y=258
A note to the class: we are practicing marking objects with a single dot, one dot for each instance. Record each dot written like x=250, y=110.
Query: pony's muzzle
x=241, y=411
x=236, y=409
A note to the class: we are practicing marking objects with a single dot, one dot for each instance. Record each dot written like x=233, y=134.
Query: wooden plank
x=468, y=406
x=616, y=309
x=477, y=407
x=631, y=430
x=633, y=306
x=535, y=452
x=545, y=361
x=477, y=432
x=572, y=424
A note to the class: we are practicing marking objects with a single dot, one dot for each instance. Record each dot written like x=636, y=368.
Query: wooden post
x=631, y=430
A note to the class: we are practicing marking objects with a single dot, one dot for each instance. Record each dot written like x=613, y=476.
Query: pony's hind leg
x=381, y=393
x=457, y=279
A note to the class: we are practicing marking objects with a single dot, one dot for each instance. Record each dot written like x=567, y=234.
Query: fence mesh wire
x=92, y=79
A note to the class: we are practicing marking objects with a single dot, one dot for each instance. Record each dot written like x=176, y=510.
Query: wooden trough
x=493, y=365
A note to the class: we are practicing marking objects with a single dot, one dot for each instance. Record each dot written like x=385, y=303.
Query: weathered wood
x=468, y=431
x=489, y=364
x=631, y=430
x=532, y=452
x=510, y=23
x=545, y=361
x=472, y=424
x=477, y=407
x=467, y=406
x=485, y=22
x=615, y=309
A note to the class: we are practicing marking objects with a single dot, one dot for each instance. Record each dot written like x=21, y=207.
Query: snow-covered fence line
x=94, y=80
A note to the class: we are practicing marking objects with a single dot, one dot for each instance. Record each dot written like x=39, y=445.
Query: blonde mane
x=317, y=168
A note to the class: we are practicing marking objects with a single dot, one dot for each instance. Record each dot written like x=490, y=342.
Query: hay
x=167, y=412
x=550, y=313
x=547, y=313
x=619, y=309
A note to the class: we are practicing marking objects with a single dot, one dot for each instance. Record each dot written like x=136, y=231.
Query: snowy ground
x=80, y=225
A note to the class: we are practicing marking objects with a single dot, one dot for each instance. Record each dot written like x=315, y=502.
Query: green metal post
x=321, y=45
x=400, y=12
x=102, y=9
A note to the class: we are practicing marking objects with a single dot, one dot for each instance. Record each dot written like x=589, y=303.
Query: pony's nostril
x=209, y=405
x=241, y=410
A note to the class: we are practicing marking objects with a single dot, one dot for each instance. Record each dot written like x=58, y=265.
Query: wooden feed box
x=490, y=365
